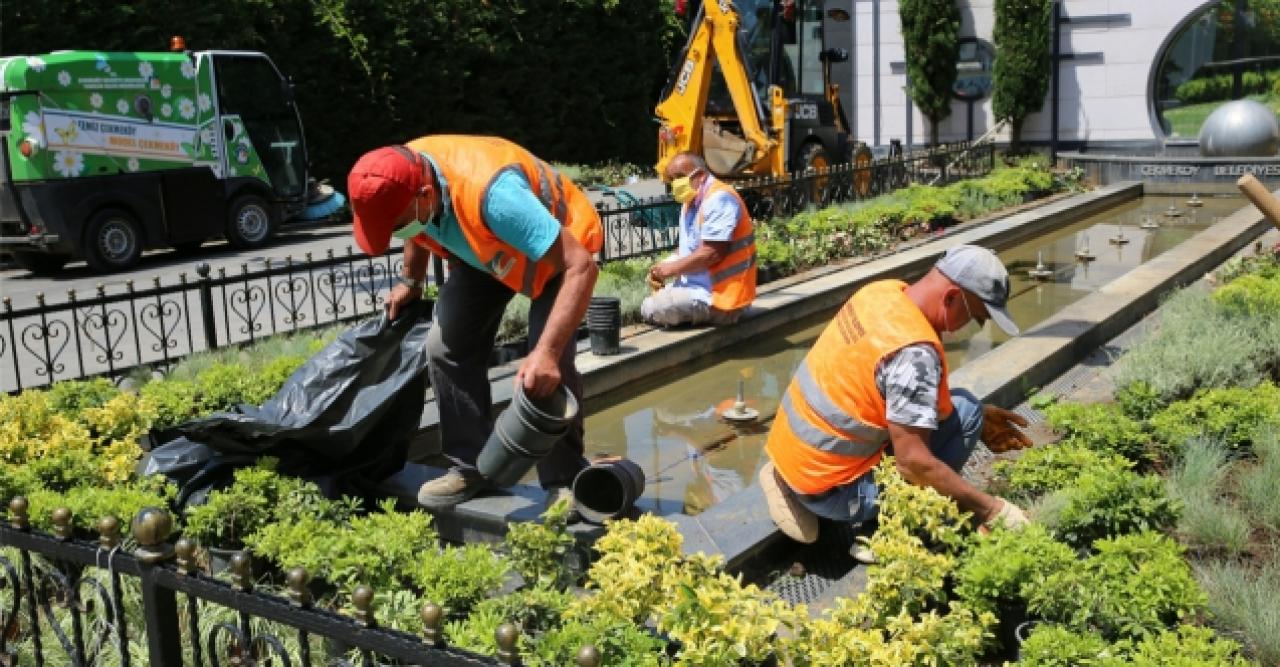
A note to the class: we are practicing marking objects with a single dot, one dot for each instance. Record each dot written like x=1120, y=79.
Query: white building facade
x=1124, y=60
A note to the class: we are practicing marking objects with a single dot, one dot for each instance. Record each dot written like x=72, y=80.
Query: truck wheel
x=40, y=263
x=114, y=242
x=814, y=156
x=249, y=223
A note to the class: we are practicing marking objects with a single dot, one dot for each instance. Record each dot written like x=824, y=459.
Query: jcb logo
x=804, y=111
x=686, y=73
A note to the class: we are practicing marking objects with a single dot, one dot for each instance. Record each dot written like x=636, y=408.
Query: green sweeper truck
x=106, y=154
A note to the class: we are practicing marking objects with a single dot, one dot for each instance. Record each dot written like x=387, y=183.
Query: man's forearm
x=416, y=259
x=570, y=306
x=931, y=472
x=698, y=260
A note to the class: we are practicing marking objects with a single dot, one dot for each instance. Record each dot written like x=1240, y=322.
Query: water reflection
x=693, y=459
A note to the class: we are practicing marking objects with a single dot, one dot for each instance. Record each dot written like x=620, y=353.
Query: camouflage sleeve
x=909, y=381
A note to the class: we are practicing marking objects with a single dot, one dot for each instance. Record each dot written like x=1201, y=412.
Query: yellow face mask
x=683, y=190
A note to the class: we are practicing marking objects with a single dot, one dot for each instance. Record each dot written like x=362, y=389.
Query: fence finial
x=432, y=620
x=241, y=572
x=151, y=527
x=297, y=580
x=62, y=523
x=362, y=599
x=109, y=532
x=18, y=513
x=508, y=637
x=186, y=551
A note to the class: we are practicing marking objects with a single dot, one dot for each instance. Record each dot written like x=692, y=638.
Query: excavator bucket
x=726, y=153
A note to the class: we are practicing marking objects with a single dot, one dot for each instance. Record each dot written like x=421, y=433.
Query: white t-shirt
x=720, y=212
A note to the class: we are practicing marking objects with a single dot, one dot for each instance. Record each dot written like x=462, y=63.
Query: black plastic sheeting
x=344, y=419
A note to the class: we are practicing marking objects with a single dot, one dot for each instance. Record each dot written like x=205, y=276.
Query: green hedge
x=572, y=80
x=1218, y=88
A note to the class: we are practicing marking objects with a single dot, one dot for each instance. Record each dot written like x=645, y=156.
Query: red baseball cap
x=380, y=186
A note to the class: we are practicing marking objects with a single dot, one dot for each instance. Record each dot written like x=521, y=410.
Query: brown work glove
x=1000, y=429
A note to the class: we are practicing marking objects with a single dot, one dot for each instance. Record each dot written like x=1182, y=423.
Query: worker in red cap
x=508, y=223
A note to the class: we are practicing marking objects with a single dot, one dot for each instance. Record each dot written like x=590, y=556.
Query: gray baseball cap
x=979, y=271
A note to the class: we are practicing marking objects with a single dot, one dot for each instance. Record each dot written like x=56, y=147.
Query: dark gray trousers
x=467, y=316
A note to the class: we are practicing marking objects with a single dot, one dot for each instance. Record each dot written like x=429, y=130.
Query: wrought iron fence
x=111, y=334
x=144, y=601
x=641, y=227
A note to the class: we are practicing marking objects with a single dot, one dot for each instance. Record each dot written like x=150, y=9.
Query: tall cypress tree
x=931, y=36
x=1024, y=50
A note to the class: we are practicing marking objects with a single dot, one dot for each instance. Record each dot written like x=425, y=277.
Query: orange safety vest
x=470, y=165
x=831, y=428
x=733, y=278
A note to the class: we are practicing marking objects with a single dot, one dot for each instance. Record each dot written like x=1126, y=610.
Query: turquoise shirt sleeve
x=516, y=215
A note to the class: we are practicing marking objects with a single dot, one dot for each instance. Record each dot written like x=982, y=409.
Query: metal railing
x=71, y=601
x=642, y=227
x=111, y=334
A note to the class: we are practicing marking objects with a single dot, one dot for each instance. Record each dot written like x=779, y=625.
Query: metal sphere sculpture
x=1243, y=128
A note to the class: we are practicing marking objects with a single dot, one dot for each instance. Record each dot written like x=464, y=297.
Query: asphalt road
x=21, y=287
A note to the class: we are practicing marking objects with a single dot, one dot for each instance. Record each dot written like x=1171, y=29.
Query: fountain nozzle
x=740, y=412
x=1041, y=272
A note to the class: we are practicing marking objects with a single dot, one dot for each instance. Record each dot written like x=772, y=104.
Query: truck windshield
x=756, y=38
x=251, y=87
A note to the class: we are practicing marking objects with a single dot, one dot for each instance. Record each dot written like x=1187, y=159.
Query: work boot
x=792, y=518
x=861, y=550
x=558, y=493
x=456, y=486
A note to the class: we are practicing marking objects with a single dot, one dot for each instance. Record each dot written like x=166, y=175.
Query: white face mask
x=969, y=329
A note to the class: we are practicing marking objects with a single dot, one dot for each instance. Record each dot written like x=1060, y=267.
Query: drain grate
x=825, y=562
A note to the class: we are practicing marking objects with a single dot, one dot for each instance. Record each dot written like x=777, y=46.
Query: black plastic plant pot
x=524, y=433
x=550, y=414
x=503, y=462
x=607, y=489
x=605, y=342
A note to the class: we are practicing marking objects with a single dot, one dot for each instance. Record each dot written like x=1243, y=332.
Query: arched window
x=1227, y=50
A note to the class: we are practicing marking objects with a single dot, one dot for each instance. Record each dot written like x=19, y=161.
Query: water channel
x=669, y=424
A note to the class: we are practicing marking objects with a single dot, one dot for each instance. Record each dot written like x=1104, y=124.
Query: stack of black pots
x=604, y=324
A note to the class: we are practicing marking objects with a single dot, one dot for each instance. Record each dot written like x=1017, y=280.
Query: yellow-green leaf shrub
x=627, y=580
x=1105, y=502
x=1250, y=296
x=1047, y=468
x=1102, y=427
x=1236, y=415
x=1134, y=586
x=88, y=503
x=1004, y=567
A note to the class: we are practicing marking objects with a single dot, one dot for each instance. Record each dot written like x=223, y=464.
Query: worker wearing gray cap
x=876, y=380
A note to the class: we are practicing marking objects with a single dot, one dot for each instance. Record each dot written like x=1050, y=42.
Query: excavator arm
x=682, y=109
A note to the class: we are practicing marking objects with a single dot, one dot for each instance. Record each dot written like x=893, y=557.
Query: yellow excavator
x=752, y=91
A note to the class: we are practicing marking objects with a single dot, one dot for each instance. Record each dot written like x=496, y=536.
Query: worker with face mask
x=713, y=276
x=875, y=382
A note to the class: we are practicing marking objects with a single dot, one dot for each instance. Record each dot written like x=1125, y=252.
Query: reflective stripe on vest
x=836, y=418
x=832, y=425
x=733, y=278
x=823, y=441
